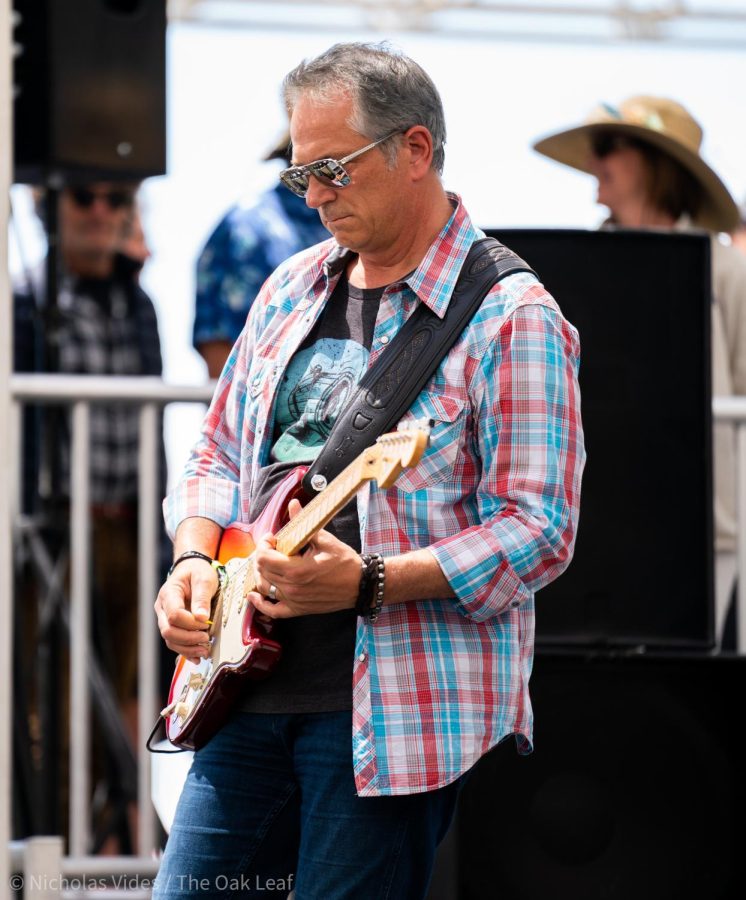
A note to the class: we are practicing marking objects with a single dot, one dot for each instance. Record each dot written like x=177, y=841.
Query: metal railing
x=44, y=869
x=79, y=392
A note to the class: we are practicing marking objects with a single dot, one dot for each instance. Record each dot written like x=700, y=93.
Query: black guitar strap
x=387, y=390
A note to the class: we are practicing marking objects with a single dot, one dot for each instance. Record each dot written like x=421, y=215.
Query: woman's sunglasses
x=115, y=199
x=328, y=171
x=604, y=143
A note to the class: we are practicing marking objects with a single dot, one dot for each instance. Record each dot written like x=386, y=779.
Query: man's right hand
x=183, y=608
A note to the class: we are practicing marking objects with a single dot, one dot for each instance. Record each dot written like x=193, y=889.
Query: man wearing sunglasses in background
x=339, y=773
x=98, y=322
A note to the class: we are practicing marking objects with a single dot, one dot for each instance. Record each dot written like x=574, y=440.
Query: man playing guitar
x=406, y=624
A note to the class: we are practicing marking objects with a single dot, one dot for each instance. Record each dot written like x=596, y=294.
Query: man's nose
x=319, y=193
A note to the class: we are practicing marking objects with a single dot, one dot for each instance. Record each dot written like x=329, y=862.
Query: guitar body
x=242, y=645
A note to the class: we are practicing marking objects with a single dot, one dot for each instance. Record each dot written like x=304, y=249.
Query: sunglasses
x=115, y=199
x=605, y=143
x=328, y=171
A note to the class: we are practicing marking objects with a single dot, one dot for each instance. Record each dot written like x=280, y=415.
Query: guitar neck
x=294, y=536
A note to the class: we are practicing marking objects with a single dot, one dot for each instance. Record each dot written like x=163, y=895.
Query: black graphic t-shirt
x=315, y=672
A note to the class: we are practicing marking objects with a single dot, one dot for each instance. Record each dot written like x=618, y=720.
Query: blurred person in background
x=738, y=235
x=98, y=322
x=645, y=156
x=134, y=244
x=247, y=245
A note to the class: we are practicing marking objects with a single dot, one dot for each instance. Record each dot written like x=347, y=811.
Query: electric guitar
x=241, y=642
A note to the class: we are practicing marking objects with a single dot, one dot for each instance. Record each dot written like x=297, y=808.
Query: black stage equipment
x=89, y=81
x=643, y=568
x=635, y=788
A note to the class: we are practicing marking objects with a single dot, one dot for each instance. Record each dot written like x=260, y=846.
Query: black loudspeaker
x=89, y=82
x=635, y=789
x=643, y=567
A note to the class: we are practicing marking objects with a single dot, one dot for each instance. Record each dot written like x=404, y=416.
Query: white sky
x=224, y=112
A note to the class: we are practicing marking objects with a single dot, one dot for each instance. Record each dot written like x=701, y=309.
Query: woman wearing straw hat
x=645, y=155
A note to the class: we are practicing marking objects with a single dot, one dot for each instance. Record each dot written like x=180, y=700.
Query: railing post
x=80, y=618
x=741, y=546
x=6, y=475
x=147, y=537
x=42, y=870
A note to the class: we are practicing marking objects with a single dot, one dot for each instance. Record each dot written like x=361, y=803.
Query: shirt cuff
x=207, y=498
x=481, y=578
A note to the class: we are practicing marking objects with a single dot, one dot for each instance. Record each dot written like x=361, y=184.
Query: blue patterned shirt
x=248, y=244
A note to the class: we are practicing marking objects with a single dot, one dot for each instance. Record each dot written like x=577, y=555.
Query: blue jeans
x=270, y=805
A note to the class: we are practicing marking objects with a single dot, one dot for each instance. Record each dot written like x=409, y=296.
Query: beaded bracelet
x=380, y=585
x=370, y=592
x=365, y=589
x=192, y=554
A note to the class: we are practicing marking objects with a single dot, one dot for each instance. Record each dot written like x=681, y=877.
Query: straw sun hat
x=664, y=124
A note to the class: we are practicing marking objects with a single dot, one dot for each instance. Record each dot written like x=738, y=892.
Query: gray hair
x=390, y=92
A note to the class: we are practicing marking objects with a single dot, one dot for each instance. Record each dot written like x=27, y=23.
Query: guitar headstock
x=394, y=452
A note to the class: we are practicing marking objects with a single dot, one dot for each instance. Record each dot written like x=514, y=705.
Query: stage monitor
x=643, y=568
x=89, y=81
x=635, y=789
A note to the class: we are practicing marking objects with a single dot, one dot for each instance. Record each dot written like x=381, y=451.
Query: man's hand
x=324, y=578
x=183, y=608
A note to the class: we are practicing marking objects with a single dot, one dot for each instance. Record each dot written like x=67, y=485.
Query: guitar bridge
x=197, y=681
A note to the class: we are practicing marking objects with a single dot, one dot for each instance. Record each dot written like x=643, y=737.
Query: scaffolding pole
x=6, y=568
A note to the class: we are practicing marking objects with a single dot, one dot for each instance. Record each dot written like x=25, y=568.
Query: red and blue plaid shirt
x=495, y=499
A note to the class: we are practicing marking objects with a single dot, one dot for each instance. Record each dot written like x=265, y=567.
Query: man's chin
x=335, y=224
x=341, y=231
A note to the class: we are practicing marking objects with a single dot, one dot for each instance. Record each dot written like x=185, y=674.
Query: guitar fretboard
x=322, y=508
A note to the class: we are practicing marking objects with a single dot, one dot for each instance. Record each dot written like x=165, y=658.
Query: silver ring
x=272, y=592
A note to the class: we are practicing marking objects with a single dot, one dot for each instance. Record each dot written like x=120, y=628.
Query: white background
x=224, y=112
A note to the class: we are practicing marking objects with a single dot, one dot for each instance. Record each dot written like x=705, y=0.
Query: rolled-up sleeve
x=210, y=484
x=530, y=440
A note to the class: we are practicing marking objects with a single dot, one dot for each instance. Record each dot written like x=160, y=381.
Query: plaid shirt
x=495, y=498
x=104, y=327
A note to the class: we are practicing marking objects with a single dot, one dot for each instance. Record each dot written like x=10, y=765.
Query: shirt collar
x=435, y=277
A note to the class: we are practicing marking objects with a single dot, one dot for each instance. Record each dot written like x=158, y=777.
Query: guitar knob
x=182, y=710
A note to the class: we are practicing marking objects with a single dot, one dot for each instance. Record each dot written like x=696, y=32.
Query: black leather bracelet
x=190, y=554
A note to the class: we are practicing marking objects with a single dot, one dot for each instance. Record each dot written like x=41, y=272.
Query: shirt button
x=361, y=658
x=514, y=604
x=385, y=339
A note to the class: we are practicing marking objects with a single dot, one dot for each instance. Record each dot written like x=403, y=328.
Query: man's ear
x=419, y=144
